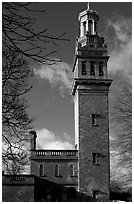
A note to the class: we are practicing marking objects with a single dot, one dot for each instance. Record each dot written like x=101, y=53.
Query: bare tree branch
x=18, y=33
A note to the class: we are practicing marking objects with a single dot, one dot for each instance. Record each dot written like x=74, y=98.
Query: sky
x=50, y=101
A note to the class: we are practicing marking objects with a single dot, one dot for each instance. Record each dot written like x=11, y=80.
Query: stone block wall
x=94, y=139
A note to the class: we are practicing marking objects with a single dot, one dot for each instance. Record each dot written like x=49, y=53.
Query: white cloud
x=120, y=60
x=47, y=139
x=121, y=41
x=59, y=74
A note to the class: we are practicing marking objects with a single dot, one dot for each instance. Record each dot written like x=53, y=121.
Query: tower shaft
x=90, y=91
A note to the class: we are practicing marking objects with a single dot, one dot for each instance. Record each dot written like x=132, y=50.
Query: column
x=93, y=30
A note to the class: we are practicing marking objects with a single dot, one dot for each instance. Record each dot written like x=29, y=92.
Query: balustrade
x=17, y=178
x=55, y=153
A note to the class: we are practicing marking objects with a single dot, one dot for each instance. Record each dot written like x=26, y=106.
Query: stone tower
x=90, y=90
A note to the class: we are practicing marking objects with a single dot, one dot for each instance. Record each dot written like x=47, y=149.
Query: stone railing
x=54, y=153
x=17, y=178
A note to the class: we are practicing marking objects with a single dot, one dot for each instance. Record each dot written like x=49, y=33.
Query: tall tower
x=90, y=90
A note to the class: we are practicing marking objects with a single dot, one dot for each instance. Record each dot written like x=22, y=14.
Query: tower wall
x=93, y=177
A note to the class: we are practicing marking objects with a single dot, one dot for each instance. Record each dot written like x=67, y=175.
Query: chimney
x=33, y=136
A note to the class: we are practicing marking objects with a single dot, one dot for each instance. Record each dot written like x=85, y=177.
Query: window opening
x=83, y=64
x=56, y=170
x=41, y=170
x=93, y=119
x=92, y=68
x=90, y=26
x=72, y=170
x=95, y=158
x=101, y=69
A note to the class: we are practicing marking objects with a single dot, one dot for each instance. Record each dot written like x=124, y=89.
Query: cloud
x=59, y=74
x=47, y=139
x=120, y=45
x=120, y=62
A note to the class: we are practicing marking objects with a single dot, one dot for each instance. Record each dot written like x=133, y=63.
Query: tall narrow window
x=83, y=67
x=95, y=158
x=84, y=28
x=92, y=68
x=90, y=26
x=71, y=170
x=41, y=170
x=93, y=116
x=56, y=170
x=101, y=69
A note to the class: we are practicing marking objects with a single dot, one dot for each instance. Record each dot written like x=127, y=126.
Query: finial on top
x=88, y=6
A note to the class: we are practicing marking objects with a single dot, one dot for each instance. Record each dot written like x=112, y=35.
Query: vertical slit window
x=101, y=69
x=93, y=116
x=92, y=68
x=41, y=170
x=90, y=26
x=83, y=65
x=71, y=170
x=95, y=158
x=56, y=170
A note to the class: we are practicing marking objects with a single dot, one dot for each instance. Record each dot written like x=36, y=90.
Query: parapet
x=54, y=154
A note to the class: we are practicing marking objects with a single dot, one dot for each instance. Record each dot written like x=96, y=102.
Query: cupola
x=88, y=22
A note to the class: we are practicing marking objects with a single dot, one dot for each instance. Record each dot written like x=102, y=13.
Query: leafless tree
x=18, y=33
x=15, y=120
x=21, y=44
x=121, y=125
